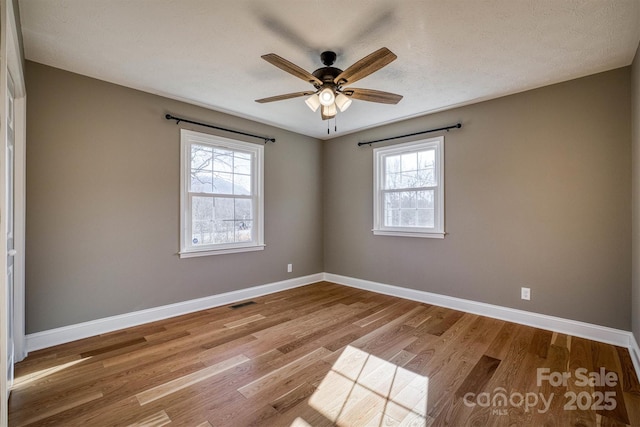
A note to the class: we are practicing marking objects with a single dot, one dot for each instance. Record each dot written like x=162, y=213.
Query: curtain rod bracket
x=180, y=119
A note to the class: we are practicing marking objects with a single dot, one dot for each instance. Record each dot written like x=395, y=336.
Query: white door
x=10, y=192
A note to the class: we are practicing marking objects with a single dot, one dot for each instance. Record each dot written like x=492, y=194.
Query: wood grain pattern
x=319, y=355
x=172, y=386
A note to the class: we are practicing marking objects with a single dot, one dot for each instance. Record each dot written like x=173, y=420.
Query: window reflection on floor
x=28, y=379
x=362, y=389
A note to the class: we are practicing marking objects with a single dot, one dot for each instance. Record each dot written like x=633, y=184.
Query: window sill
x=409, y=234
x=207, y=252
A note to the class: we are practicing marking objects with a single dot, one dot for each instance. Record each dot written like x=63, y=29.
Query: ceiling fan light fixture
x=313, y=102
x=328, y=92
x=327, y=97
x=343, y=102
x=329, y=110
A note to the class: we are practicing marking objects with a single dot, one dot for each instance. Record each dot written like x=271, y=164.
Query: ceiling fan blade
x=367, y=65
x=291, y=68
x=285, y=96
x=372, y=95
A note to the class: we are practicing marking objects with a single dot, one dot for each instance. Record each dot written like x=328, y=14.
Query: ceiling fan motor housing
x=327, y=74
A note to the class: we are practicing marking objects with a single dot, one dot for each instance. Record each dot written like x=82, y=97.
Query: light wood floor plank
x=158, y=419
x=244, y=321
x=180, y=383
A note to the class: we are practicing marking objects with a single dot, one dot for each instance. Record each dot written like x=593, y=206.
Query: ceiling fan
x=329, y=82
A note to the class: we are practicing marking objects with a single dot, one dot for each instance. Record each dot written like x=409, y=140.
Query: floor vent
x=242, y=304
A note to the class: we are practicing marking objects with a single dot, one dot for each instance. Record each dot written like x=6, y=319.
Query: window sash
x=236, y=244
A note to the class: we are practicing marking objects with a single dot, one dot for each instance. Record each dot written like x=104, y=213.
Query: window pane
x=393, y=181
x=410, y=170
x=426, y=159
x=223, y=220
x=409, y=209
x=392, y=218
x=408, y=199
x=242, y=163
x=392, y=164
x=426, y=178
x=409, y=162
x=222, y=160
x=243, y=220
x=392, y=201
x=425, y=218
x=201, y=158
x=201, y=182
x=202, y=220
x=222, y=183
x=242, y=185
x=425, y=199
x=408, y=217
x=409, y=179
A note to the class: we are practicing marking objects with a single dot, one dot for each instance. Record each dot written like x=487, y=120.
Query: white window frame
x=379, y=173
x=187, y=249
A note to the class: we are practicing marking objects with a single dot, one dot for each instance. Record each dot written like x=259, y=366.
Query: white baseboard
x=634, y=351
x=604, y=334
x=542, y=321
x=49, y=338
x=557, y=324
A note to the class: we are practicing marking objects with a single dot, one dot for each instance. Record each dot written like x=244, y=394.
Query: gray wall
x=537, y=195
x=635, y=132
x=537, y=185
x=103, y=203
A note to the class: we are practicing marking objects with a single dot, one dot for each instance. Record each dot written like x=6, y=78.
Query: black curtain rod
x=179, y=119
x=456, y=126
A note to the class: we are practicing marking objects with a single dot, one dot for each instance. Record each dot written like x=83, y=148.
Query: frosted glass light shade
x=343, y=101
x=313, y=102
x=327, y=97
x=329, y=110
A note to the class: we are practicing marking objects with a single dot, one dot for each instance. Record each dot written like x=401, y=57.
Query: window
x=409, y=189
x=221, y=195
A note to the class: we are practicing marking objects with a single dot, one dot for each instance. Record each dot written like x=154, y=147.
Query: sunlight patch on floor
x=362, y=389
x=25, y=380
x=299, y=422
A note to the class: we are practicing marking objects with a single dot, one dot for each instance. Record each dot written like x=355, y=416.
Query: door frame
x=11, y=61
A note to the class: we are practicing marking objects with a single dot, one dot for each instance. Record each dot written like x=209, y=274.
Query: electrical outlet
x=289, y=268
x=525, y=293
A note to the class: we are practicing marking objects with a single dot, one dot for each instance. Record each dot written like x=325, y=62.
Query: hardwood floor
x=326, y=354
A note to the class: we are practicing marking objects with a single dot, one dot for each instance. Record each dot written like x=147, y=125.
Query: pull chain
x=335, y=125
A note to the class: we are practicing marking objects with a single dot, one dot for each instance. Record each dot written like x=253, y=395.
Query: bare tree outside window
x=220, y=184
x=408, y=198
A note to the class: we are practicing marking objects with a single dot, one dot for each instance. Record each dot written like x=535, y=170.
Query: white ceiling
x=207, y=52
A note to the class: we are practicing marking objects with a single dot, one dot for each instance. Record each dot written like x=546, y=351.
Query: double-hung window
x=409, y=189
x=221, y=195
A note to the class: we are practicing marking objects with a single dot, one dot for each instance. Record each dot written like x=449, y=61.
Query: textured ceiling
x=450, y=53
